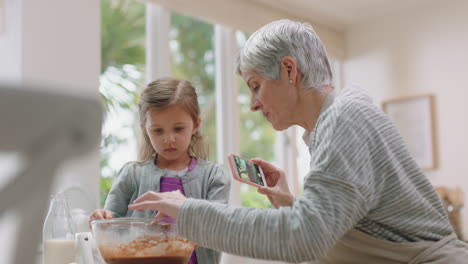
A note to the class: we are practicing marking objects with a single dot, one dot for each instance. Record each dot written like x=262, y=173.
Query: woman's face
x=275, y=98
x=170, y=131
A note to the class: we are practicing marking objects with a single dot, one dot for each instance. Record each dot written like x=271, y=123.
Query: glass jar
x=58, y=233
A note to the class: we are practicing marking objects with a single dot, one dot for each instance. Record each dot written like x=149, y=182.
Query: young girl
x=172, y=157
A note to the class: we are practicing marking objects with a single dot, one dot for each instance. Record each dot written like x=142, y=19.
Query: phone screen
x=248, y=171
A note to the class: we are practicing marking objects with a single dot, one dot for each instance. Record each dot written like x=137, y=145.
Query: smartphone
x=246, y=171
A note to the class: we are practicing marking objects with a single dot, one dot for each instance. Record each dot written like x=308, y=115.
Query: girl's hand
x=167, y=203
x=278, y=190
x=99, y=214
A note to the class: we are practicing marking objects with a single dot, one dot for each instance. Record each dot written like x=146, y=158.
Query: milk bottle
x=58, y=234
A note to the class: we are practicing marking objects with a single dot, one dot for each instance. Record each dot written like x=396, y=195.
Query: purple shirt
x=169, y=184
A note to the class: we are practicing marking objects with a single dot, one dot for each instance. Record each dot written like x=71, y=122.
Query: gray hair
x=265, y=49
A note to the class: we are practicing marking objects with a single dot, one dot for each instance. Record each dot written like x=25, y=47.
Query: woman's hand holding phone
x=278, y=190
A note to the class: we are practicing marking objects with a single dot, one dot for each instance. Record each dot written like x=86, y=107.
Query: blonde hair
x=161, y=94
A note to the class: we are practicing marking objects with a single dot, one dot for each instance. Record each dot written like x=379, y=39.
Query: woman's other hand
x=99, y=214
x=167, y=203
x=278, y=190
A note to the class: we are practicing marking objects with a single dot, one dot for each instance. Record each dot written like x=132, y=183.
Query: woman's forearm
x=303, y=232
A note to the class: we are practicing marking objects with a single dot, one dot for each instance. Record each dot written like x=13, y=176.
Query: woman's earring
x=290, y=81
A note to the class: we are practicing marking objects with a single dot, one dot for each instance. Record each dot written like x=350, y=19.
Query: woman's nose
x=255, y=105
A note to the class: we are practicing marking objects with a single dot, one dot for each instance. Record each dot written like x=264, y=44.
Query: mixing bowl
x=140, y=241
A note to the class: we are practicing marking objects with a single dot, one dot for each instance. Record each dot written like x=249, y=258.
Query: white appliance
x=46, y=127
x=86, y=250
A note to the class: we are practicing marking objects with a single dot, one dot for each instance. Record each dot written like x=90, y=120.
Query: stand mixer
x=46, y=127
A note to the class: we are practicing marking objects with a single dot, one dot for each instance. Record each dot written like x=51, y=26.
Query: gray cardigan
x=206, y=181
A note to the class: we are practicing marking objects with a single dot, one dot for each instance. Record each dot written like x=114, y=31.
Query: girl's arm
x=219, y=185
x=121, y=192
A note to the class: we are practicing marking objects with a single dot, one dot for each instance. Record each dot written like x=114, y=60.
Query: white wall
x=60, y=47
x=10, y=40
x=248, y=16
x=53, y=43
x=418, y=52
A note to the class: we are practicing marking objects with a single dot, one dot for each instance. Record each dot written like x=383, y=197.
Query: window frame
x=226, y=89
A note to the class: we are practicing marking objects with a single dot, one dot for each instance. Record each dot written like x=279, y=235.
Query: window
x=122, y=64
x=192, y=59
x=257, y=138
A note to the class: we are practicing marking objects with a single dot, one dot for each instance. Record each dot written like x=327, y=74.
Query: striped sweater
x=361, y=176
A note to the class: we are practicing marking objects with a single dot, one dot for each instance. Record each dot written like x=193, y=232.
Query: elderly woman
x=365, y=200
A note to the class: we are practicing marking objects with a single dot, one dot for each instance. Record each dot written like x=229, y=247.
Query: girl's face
x=170, y=131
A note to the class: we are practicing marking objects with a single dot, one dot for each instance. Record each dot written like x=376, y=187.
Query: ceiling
x=341, y=14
